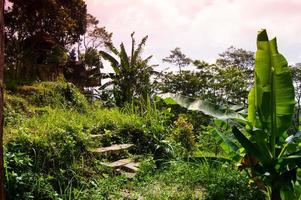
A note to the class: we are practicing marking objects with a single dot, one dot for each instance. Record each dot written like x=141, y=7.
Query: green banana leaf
x=252, y=148
x=124, y=59
x=227, y=144
x=112, y=60
x=283, y=90
x=272, y=99
x=199, y=105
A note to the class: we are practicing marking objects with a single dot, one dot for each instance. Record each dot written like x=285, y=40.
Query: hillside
x=51, y=131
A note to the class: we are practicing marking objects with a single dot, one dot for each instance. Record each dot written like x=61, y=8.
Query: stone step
x=95, y=136
x=131, y=167
x=115, y=147
x=129, y=175
x=118, y=163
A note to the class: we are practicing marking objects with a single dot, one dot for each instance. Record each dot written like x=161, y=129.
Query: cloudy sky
x=201, y=28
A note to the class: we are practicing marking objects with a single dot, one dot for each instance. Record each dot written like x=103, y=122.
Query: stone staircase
x=126, y=166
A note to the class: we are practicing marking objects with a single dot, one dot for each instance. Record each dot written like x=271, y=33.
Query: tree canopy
x=64, y=20
x=177, y=58
x=225, y=81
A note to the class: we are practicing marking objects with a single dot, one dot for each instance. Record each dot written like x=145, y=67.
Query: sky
x=201, y=28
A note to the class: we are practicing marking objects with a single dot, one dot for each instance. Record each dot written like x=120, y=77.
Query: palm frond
x=114, y=63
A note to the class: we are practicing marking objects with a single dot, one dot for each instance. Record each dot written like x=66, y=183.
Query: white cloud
x=202, y=29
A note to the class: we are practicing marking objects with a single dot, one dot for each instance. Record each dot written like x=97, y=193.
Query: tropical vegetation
x=270, y=152
x=227, y=130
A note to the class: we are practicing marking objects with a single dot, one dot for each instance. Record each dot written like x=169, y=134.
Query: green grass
x=180, y=180
x=55, y=119
x=46, y=141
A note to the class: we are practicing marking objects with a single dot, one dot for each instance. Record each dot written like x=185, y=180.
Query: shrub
x=228, y=184
x=183, y=134
x=183, y=180
x=218, y=181
x=41, y=166
x=58, y=94
x=15, y=108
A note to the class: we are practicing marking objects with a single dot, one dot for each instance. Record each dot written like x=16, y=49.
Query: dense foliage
x=48, y=126
x=64, y=20
x=52, y=129
x=225, y=82
x=270, y=111
x=268, y=150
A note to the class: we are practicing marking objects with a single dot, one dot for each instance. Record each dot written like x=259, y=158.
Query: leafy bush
x=183, y=134
x=38, y=167
x=207, y=141
x=145, y=127
x=57, y=94
x=15, y=108
x=218, y=181
x=225, y=184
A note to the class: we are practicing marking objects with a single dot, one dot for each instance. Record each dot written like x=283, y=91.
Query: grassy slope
x=46, y=140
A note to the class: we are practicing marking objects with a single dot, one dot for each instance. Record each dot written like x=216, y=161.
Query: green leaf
x=262, y=87
x=199, y=105
x=230, y=146
x=271, y=100
x=283, y=89
x=250, y=147
x=139, y=49
x=124, y=59
x=112, y=60
x=251, y=107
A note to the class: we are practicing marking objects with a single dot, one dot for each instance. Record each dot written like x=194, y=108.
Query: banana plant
x=271, y=156
x=132, y=73
x=270, y=111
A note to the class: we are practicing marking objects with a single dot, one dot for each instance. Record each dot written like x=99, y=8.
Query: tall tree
x=177, y=58
x=1, y=99
x=238, y=58
x=64, y=20
x=95, y=36
x=235, y=77
x=39, y=32
x=226, y=81
x=187, y=83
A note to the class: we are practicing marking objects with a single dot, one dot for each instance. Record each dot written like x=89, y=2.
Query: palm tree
x=131, y=77
x=1, y=99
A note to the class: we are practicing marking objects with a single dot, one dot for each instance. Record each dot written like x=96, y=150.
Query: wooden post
x=2, y=191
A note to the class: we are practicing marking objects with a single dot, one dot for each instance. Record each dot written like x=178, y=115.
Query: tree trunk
x=2, y=196
x=275, y=191
x=276, y=195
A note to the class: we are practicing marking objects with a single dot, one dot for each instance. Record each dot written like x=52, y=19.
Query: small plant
x=183, y=134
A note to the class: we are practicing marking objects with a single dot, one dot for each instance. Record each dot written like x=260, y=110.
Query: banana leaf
x=272, y=99
x=207, y=108
x=124, y=59
x=112, y=60
x=252, y=148
x=227, y=144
